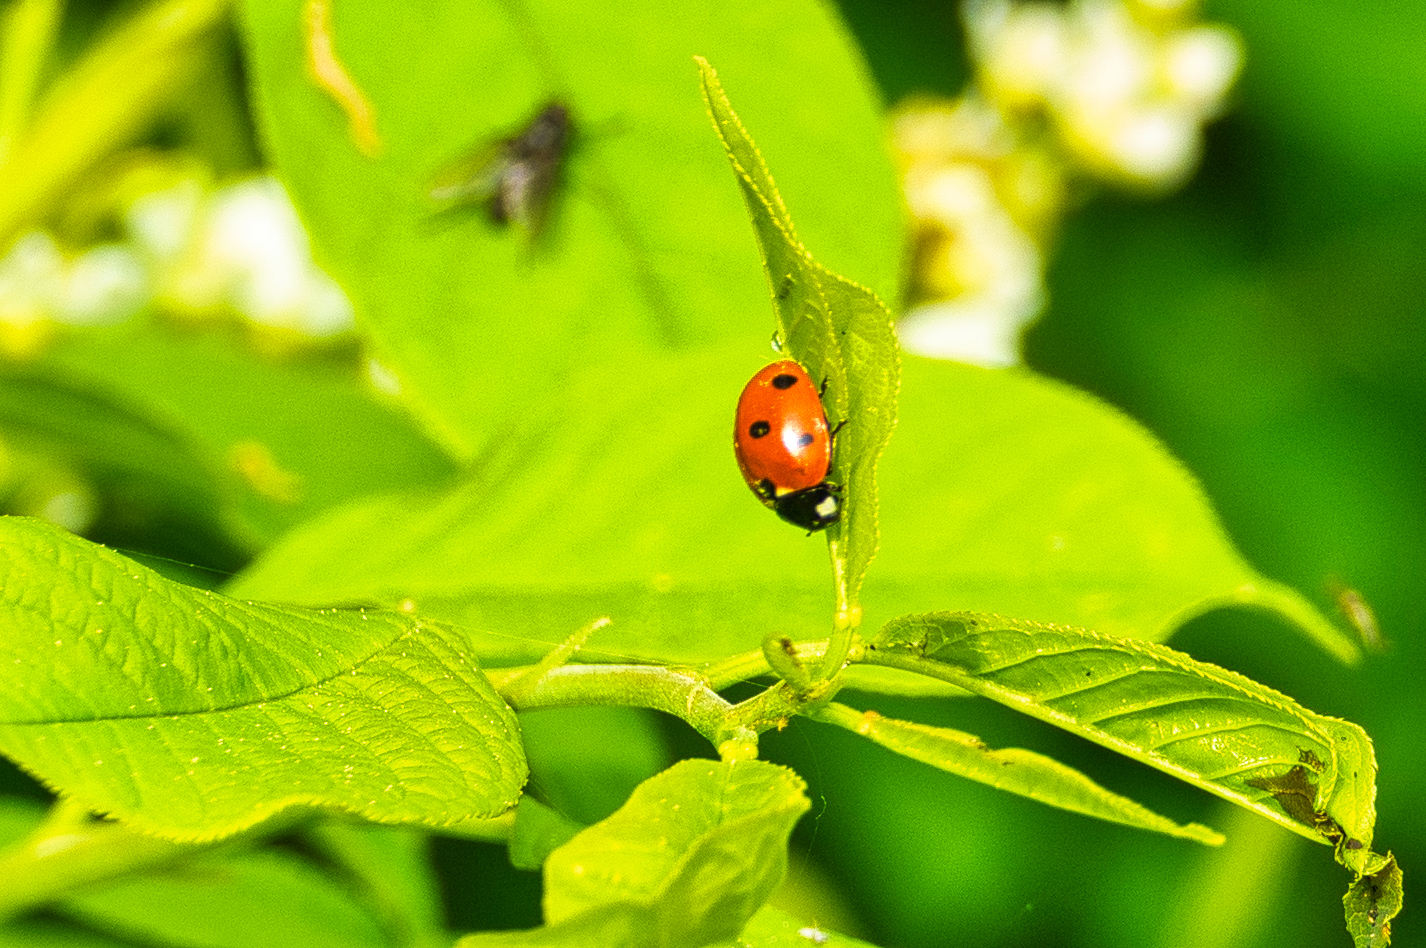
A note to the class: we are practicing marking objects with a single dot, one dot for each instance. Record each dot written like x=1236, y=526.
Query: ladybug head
x=812, y=508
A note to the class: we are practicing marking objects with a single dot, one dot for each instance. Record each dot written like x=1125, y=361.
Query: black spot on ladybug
x=759, y=429
x=766, y=489
x=806, y=439
x=783, y=382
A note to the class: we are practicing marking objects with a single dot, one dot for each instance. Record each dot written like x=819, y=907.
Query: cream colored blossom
x=1127, y=93
x=1113, y=90
x=240, y=248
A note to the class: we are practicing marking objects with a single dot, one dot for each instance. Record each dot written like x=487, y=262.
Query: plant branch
x=681, y=693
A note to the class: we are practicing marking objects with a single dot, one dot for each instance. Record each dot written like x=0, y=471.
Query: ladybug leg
x=821, y=394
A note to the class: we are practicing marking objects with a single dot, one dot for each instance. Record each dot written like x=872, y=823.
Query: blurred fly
x=514, y=178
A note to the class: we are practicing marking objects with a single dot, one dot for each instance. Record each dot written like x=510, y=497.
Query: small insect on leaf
x=784, y=447
x=515, y=177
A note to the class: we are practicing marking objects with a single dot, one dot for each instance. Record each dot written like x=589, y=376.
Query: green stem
x=105, y=101
x=680, y=693
x=840, y=715
x=738, y=668
x=839, y=646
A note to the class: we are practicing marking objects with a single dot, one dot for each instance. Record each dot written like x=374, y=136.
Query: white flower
x=1127, y=95
x=1199, y=66
x=241, y=247
x=31, y=275
x=976, y=263
x=106, y=283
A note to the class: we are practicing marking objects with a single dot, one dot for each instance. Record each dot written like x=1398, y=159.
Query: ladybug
x=784, y=446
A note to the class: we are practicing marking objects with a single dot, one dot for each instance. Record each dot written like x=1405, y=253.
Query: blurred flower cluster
x=188, y=251
x=1065, y=95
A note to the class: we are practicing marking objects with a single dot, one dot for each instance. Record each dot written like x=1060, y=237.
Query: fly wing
x=472, y=179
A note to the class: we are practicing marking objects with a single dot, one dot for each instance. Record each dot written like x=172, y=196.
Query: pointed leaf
x=626, y=503
x=1207, y=726
x=1011, y=769
x=194, y=715
x=839, y=331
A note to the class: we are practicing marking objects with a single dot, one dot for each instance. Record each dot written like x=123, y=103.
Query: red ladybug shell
x=781, y=440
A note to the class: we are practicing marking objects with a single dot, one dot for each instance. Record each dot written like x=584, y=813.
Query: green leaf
x=1011, y=769
x=1212, y=728
x=539, y=831
x=42, y=932
x=687, y=860
x=253, y=898
x=619, y=925
x=698, y=847
x=18, y=817
x=840, y=332
x=1009, y=493
x=1371, y=903
x=626, y=503
x=645, y=249
x=389, y=870
x=132, y=459
x=193, y=715
x=248, y=420
x=107, y=99
x=773, y=928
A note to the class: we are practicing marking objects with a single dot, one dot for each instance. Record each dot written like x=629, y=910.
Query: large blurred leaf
x=1002, y=493
x=246, y=899
x=281, y=439
x=140, y=464
x=1009, y=493
x=1210, y=727
x=193, y=715
x=626, y=502
x=647, y=246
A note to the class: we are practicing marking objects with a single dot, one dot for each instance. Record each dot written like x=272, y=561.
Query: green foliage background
x=1266, y=323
